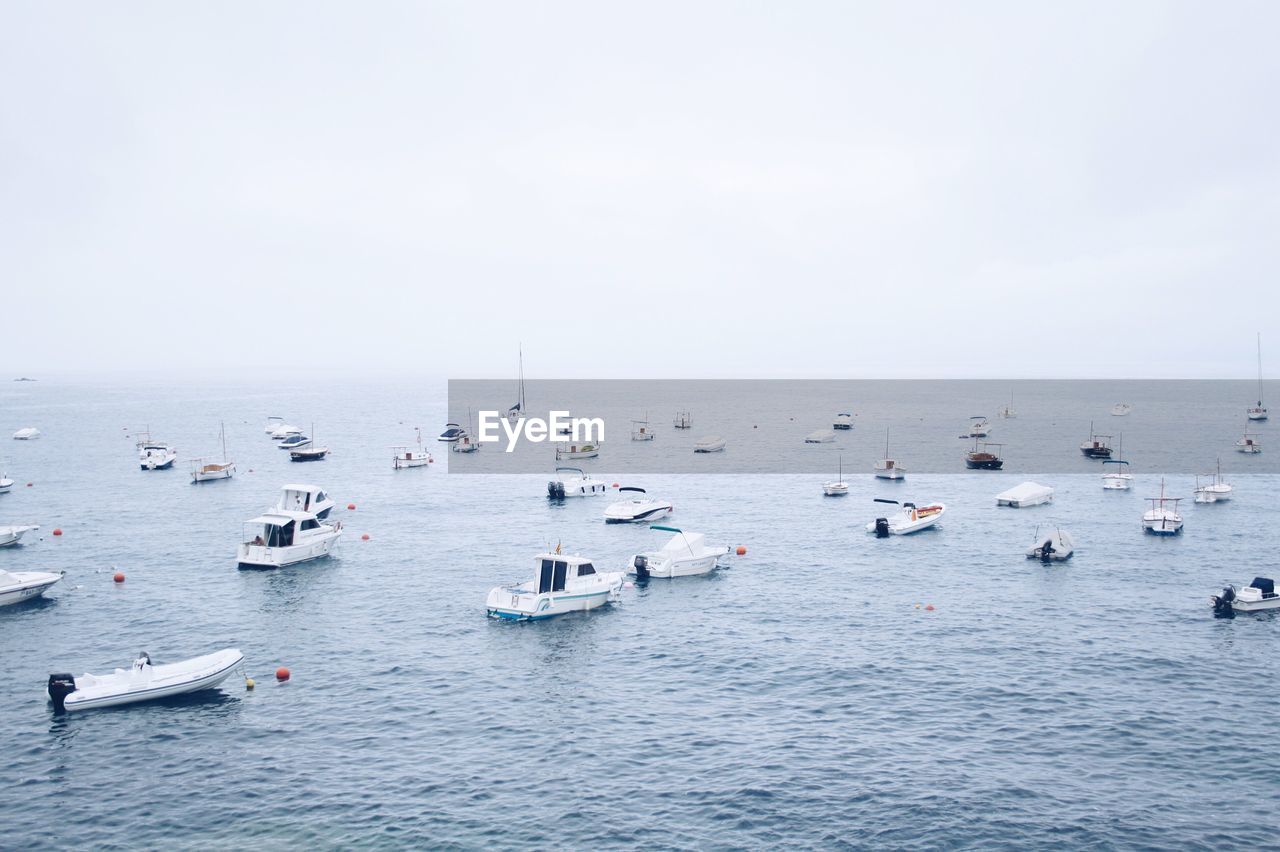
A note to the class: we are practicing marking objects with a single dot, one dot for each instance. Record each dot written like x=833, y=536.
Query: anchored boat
x=838, y=488
x=280, y=538
x=1216, y=490
x=1024, y=495
x=1258, y=596
x=142, y=681
x=685, y=555
x=1057, y=546
x=10, y=535
x=19, y=586
x=567, y=485
x=1162, y=518
x=202, y=471
x=637, y=509
x=561, y=584
x=411, y=455
x=1096, y=447
x=1259, y=411
x=908, y=519
x=981, y=457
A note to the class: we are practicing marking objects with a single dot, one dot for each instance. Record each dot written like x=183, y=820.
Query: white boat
x=5, y=483
x=1121, y=409
x=142, y=681
x=1258, y=596
x=273, y=423
x=295, y=442
x=641, y=431
x=1057, y=546
x=1161, y=519
x=277, y=539
x=1215, y=490
x=1249, y=444
x=411, y=455
x=19, y=586
x=1259, y=411
x=452, y=432
x=683, y=420
x=709, y=444
x=1116, y=477
x=1008, y=412
x=284, y=430
x=514, y=412
x=11, y=535
x=465, y=444
x=979, y=427
x=568, y=485
x=908, y=519
x=577, y=451
x=888, y=468
x=202, y=471
x=155, y=455
x=304, y=498
x=844, y=421
x=1025, y=495
x=28, y=434
x=636, y=510
x=838, y=488
x=685, y=555
x=561, y=584
x=821, y=436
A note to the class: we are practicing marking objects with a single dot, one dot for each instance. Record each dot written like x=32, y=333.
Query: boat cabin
x=278, y=529
x=556, y=571
x=301, y=498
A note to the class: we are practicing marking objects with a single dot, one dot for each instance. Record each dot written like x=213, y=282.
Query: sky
x=709, y=189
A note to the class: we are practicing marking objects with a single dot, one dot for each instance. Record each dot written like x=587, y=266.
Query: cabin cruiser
x=838, y=488
x=1024, y=495
x=822, y=436
x=577, y=451
x=984, y=458
x=1121, y=409
x=844, y=421
x=1161, y=519
x=294, y=442
x=1215, y=490
x=155, y=455
x=685, y=555
x=19, y=586
x=709, y=444
x=451, y=433
x=639, y=509
x=11, y=535
x=1249, y=444
x=979, y=427
x=411, y=456
x=683, y=420
x=580, y=485
x=280, y=538
x=1116, y=478
x=1257, y=596
x=142, y=681
x=908, y=519
x=304, y=498
x=561, y=584
x=1057, y=546
x=27, y=434
x=284, y=430
x=1096, y=447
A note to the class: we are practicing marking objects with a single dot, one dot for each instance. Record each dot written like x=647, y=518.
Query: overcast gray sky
x=644, y=190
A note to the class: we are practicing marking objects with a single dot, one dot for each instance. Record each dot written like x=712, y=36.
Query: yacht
x=685, y=555
x=1259, y=411
x=143, y=681
x=19, y=586
x=838, y=488
x=635, y=510
x=888, y=468
x=709, y=444
x=205, y=471
x=280, y=538
x=1215, y=490
x=1161, y=518
x=908, y=519
x=11, y=535
x=844, y=421
x=29, y=433
x=284, y=430
x=5, y=483
x=1249, y=444
x=683, y=420
x=1121, y=409
x=411, y=455
x=452, y=432
x=1096, y=447
x=561, y=584
x=274, y=422
x=1258, y=596
x=983, y=457
x=822, y=436
x=574, y=482
x=1057, y=546
x=304, y=498
x=155, y=455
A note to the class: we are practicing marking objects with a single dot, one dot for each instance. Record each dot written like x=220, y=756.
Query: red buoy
x=57, y=530
x=364, y=537
x=741, y=551
x=615, y=485
x=928, y=608
x=282, y=674
x=351, y=506
x=29, y=484
x=119, y=577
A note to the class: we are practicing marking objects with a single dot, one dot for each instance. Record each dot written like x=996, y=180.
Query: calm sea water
x=800, y=696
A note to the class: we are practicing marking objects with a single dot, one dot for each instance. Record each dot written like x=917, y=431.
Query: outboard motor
x=641, y=564
x=882, y=527
x=555, y=490
x=1046, y=550
x=60, y=686
x=1222, y=603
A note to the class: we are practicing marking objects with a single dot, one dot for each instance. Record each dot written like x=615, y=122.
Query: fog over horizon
x=826, y=190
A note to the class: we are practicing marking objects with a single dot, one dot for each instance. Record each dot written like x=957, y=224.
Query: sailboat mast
x=520, y=348
x=222, y=429
x=1259, y=369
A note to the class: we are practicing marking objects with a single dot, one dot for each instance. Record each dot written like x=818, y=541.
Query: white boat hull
x=164, y=681
x=1162, y=525
x=629, y=513
x=1257, y=414
x=411, y=460
x=835, y=489
x=211, y=474
x=19, y=586
x=12, y=535
x=903, y=524
x=1117, y=482
x=520, y=604
x=670, y=568
x=261, y=556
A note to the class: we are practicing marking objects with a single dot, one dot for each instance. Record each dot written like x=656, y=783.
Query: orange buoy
x=57, y=530
x=282, y=674
x=29, y=484
x=364, y=537
x=351, y=507
x=741, y=551
x=615, y=485
x=928, y=608
x=119, y=577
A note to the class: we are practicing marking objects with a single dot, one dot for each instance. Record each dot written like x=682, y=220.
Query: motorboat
x=574, y=482
x=982, y=457
x=979, y=426
x=28, y=433
x=685, y=555
x=888, y=468
x=821, y=436
x=838, y=488
x=19, y=586
x=1096, y=447
x=577, y=451
x=1258, y=596
x=1057, y=546
x=1024, y=495
x=1163, y=518
x=561, y=584
x=641, y=431
x=515, y=411
x=413, y=455
x=295, y=442
x=5, y=483
x=284, y=430
x=452, y=432
x=908, y=519
x=304, y=498
x=280, y=538
x=274, y=422
x=1249, y=444
x=709, y=444
x=205, y=471
x=1121, y=409
x=11, y=535
x=683, y=420
x=308, y=454
x=143, y=681
x=1259, y=411
x=639, y=509
x=155, y=455
x=1215, y=490
x=844, y=421
x=1117, y=476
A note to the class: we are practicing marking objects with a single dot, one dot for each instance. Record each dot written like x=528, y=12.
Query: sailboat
x=1258, y=412
x=311, y=452
x=889, y=468
x=839, y=488
x=1009, y=412
x=516, y=411
x=1216, y=491
x=202, y=472
x=466, y=443
x=1117, y=477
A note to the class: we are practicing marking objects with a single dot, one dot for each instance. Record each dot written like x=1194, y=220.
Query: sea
x=825, y=689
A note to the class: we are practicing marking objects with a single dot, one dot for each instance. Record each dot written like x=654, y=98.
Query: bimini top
x=683, y=542
x=280, y=518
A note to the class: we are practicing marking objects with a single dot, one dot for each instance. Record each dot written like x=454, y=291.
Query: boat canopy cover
x=279, y=519
x=1264, y=585
x=1025, y=492
x=685, y=543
